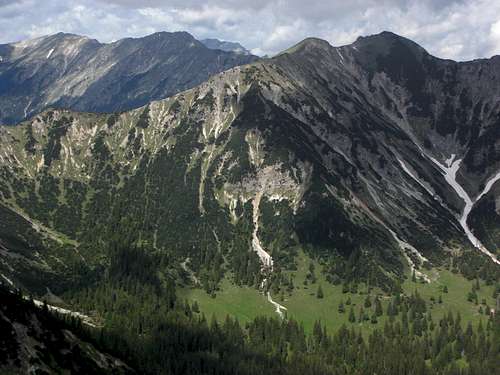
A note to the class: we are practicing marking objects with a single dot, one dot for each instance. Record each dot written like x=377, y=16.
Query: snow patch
x=450, y=170
x=84, y=318
x=7, y=279
x=405, y=246
x=277, y=305
x=449, y=161
x=50, y=53
x=410, y=173
x=264, y=256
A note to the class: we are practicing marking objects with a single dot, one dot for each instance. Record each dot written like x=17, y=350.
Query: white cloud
x=495, y=37
x=458, y=29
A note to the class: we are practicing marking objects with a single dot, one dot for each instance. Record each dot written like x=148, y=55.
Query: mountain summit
x=72, y=71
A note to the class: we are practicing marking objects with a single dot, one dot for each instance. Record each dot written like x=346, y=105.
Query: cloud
x=457, y=29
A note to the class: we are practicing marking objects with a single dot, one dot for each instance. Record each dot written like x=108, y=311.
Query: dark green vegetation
x=157, y=333
x=447, y=292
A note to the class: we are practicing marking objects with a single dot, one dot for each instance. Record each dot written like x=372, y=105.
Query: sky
x=455, y=29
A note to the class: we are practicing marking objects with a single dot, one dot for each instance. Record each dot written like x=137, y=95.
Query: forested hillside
x=338, y=203
x=156, y=333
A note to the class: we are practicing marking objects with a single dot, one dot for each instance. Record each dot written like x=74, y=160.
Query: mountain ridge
x=67, y=70
x=356, y=176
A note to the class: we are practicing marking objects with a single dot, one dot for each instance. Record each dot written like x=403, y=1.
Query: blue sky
x=456, y=29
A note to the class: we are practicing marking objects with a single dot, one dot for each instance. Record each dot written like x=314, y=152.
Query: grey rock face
x=389, y=108
x=71, y=71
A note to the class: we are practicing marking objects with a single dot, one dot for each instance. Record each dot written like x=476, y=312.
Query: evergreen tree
x=345, y=288
x=378, y=307
x=352, y=317
x=368, y=302
x=341, y=308
x=361, y=316
x=319, y=292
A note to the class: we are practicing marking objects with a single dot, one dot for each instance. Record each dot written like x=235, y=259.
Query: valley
x=304, y=306
x=329, y=210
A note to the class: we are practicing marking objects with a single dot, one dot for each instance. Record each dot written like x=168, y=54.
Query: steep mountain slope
x=72, y=71
x=340, y=152
x=35, y=342
x=442, y=111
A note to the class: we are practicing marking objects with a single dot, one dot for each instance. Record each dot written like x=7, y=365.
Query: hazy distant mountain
x=225, y=46
x=72, y=71
x=369, y=155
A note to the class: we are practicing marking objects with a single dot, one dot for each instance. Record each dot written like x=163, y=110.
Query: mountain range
x=375, y=154
x=76, y=72
x=376, y=161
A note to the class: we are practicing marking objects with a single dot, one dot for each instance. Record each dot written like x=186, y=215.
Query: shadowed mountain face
x=369, y=156
x=34, y=341
x=71, y=71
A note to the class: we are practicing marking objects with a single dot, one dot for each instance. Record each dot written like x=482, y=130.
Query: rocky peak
x=75, y=72
x=307, y=46
x=162, y=38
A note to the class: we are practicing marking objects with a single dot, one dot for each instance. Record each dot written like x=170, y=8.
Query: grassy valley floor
x=303, y=305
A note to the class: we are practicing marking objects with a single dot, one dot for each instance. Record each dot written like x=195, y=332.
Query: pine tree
x=361, y=316
x=354, y=288
x=290, y=286
x=378, y=307
x=345, y=288
x=319, y=292
x=368, y=302
x=341, y=308
x=352, y=317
